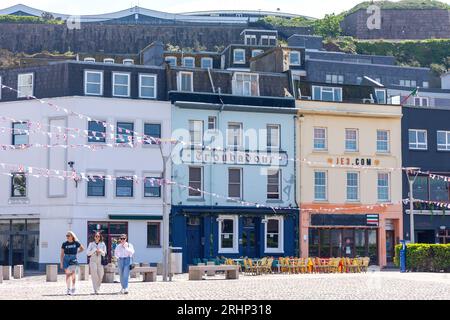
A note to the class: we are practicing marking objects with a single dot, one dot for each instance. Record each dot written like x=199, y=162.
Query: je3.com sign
x=346, y=161
x=260, y=158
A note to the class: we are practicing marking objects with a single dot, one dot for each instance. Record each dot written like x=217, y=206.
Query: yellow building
x=349, y=172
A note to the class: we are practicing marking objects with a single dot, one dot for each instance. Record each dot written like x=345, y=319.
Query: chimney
x=153, y=54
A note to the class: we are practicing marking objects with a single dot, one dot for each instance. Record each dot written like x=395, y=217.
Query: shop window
x=153, y=235
x=274, y=235
x=228, y=234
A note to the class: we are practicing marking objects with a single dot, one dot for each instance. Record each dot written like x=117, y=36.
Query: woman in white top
x=124, y=252
x=96, y=250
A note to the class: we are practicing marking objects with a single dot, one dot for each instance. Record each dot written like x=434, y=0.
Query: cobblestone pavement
x=375, y=285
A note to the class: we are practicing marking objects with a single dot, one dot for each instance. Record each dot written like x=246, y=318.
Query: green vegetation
x=329, y=26
x=403, y=4
x=425, y=257
x=285, y=22
x=28, y=19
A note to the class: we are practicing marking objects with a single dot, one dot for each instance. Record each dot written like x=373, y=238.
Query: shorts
x=67, y=266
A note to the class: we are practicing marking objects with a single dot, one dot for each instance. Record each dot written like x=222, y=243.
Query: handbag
x=104, y=261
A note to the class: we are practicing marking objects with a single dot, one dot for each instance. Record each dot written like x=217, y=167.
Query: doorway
x=425, y=236
x=390, y=246
x=249, y=238
x=110, y=231
x=194, y=239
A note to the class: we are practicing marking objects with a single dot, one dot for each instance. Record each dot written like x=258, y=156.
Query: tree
x=329, y=26
x=47, y=16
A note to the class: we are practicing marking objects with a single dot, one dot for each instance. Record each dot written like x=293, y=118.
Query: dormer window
x=381, y=96
x=121, y=84
x=327, y=93
x=93, y=83
x=25, y=83
x=239, y=56
x=108, y=60
x=268, y=40
x=185, y=81
x=189, y=62
x=207, y=63
x=89, y=59
x=295, y=58
x=257, y=52
x=128, y=61
x=250, y=40
x=172, y=61
x=245, y=84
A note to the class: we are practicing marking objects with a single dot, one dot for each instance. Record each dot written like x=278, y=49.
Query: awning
x=134, y=217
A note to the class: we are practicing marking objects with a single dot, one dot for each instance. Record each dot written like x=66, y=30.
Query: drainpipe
x=295, y=183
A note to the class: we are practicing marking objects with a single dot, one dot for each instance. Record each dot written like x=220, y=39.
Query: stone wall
x=32, y=38
x=400, y=24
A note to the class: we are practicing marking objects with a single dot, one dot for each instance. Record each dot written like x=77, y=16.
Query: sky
x=310, y=8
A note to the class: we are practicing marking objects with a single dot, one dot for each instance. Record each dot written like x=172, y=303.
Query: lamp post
x=165, y=216
x=411, y=179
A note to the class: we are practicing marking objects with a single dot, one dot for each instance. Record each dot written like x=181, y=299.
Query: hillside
x=403, y=4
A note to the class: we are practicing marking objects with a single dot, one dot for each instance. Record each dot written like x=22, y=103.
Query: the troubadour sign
x=260, y=158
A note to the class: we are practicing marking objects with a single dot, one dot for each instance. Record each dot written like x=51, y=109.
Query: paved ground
x=373, y=285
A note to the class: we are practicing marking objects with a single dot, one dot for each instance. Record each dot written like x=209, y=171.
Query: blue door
x=193, y=239
x=250, y=240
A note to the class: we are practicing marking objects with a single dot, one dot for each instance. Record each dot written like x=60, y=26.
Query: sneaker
x=72, y=292
x=122, y=291
x=125, y=291
x=68, y=292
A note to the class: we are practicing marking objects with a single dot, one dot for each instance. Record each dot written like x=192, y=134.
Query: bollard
x=211, y=273
x=110, y=271
x=159, y=269
x=18, y=272
x=84, y=272
x=52, y=272
x=6, y=272
x=1, y=275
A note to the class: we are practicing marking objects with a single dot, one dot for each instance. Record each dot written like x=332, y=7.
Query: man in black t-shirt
x=69, y=262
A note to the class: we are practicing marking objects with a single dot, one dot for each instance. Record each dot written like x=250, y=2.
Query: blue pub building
x=234, y=174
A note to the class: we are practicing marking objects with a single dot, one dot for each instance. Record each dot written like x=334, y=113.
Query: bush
x=28, y=19
x=425, y=257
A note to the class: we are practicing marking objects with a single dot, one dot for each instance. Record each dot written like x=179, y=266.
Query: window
x=408, y=83
x=196, y=132
x=235, y=183
x=352, y=186
x=239, y=56
x=153, y=234
x=93, y=83
x=425, y=84
x=320, y=138
x=234, y=134
x=334, y=78
x=351, y=140
x=268, y=40
x=96, y=186
x=89, y=59
x=257, y=52
x=228, y=238
x=320, y=185
x=417, y=139
x=420, y=188
x=250, y=40
x=125, y=132
x=443, y=140
x=383, y=141
x=294, y=58
x=18, y=185
x=206, y=63
x=421, y=102
x=273, y=136
x=152, y=187
x=274, y=235
x=189, y=62
x=128, y=61
x=96, y=131
x=121, y=84
x=147, y=86
x=195, y=181
x=212, y=123
x=151, y=130
x=245, y=84
x=108, y=60
x=439, y=190
x=273, y=184
x=185, y=81
x=383, y=187
x=124, y=187
x=380, y=96
x=25, y=85
x=20, y=133
x=172, y=61
x=327, y=93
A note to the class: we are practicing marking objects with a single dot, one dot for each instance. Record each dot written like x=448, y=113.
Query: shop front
x=208, y=233
x=19, y=243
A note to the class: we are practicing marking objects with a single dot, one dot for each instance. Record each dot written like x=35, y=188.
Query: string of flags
x=444, y=205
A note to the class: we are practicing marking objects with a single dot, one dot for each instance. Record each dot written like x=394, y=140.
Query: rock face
x=400, y=24
x=115, y=38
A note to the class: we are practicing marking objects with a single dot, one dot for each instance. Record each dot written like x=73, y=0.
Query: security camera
x=71, y=163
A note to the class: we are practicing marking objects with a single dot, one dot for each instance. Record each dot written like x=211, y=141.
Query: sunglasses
x=97, y=237
x=123, y=238
x=68, y=236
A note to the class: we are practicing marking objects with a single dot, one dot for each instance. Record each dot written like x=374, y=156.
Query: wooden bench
x=197, y=272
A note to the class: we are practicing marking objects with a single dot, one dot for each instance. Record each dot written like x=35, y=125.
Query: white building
x=52, y=206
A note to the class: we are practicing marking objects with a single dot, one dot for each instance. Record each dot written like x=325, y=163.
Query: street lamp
x=411, y=173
